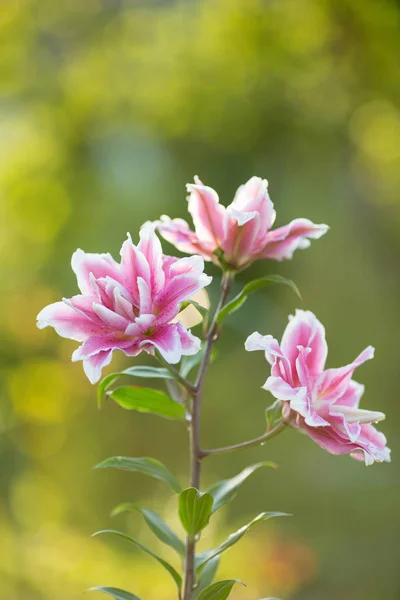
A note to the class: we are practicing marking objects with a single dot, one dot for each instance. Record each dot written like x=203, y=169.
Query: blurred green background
x=107, y=109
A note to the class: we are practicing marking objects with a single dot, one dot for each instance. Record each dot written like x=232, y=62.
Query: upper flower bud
x=128, y=306
x=324, y=404
x=235, y=236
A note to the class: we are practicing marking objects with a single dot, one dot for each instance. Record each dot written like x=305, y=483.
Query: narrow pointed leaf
x=220, y=590
x=139, y=371
x=194, y=510
x=204, y=557
x=147, y=400
x=251, y=287
x=157, y=525
x=207, y=576
x=115, y=593
x=174, y=574
x=146, y=465
x=201, y=309
x=224, y=491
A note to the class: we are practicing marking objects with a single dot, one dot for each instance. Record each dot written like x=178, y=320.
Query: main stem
x=194, y=429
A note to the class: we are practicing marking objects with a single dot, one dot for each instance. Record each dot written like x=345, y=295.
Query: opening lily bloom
x=324, y=404
x=129, y=305
x=236, y=236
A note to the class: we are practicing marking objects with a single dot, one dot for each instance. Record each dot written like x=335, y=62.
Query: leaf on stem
x=201, y=309
x=147, y=400
x=174, y=574
x=223, y=491
x=207, y=576
x=195, y=510
x=273, y=414
x=204, y=557
x=157, y=525
x=115, y=593
x=220, y=590
x=139, y=371
x=251, y=287
x=146, y=465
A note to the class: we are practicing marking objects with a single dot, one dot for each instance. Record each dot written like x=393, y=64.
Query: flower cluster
x=134, y=306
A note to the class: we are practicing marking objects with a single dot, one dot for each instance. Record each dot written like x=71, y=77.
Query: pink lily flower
x=240, y=233
x=322, y=403
x=129, y=305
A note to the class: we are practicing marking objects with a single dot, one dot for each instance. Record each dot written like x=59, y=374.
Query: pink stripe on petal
x=133, y=266
x=178, y=233
x=145, y=299
x=67, y=322
x=207, y=213
x=150, y=246
x=141, y=325
x=333, y=383
x=304, y=329
x=166, y=340
x=352, y=395
x=110, y=318
x=253, y=196
x=100, y=265
x=281, y=243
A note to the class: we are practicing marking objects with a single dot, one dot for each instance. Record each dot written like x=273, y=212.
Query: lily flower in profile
x=235, y=236
x=322, y=403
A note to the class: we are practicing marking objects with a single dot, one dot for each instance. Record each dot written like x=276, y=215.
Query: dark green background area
x=107, y=109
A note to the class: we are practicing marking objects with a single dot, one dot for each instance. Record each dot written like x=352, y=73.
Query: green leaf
x=157, y=525
x=146, y=465
x=207, y=576
x=251, y=287
x=140, y=371
x=116, y=593
x=204, y=557
x=224, y=491
x=174, y=574
x=273, y=414
x=195, y=510
x=147, y=400
x=219, y=590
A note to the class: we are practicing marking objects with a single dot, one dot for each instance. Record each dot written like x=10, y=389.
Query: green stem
x=194, y=430
x=250, y=444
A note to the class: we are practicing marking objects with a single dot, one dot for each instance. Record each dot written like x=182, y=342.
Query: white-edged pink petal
x=207, y=213
x=304, y=329
x=100, y=265
x=333, y=383
x=167, y=341
x=67, y=322
x=253, y=196
x=111, y=319
x=178, y=233
x=190, y=343
x=150, y=246
x=281, y=243
x=145, y=297
x=133, y=266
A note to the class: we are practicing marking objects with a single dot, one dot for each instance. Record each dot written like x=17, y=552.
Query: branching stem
x=254, y=442
x=194, y=429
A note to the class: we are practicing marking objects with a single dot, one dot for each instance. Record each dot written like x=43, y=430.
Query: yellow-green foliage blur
x=107, y=109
